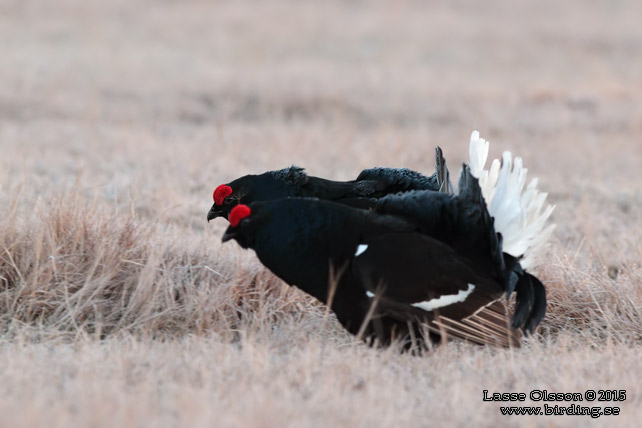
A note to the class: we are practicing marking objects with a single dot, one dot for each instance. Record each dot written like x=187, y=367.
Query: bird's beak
x=214, y=212
x=229, y=234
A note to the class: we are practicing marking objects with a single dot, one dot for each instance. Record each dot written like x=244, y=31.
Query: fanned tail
x=520, y=214
x=531, y=303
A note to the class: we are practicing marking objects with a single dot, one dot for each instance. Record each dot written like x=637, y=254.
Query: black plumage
x=291, y=182
x=464, y=224
x=402, y=267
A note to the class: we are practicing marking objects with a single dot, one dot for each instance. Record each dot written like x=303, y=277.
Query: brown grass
x=120, y=307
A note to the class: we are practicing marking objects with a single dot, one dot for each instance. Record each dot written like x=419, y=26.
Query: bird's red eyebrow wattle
x=220, y=193
x=238, y=213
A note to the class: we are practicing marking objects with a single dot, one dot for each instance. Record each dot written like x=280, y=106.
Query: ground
x=119, y=306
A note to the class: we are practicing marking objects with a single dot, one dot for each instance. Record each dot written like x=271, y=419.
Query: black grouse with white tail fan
x=420, y=261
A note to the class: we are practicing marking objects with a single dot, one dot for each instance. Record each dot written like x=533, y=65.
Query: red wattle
x=220, y=193
x=238, y=213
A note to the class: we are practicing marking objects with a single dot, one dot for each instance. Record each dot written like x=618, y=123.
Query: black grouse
x=370, y=185
x=420, y=261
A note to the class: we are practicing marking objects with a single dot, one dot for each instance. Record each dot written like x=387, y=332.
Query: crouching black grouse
x=294, y=182
x=394, y=273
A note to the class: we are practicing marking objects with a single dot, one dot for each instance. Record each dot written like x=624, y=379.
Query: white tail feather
x=520, y=215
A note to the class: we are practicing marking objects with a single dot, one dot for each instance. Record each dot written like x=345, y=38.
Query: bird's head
x=270, y=185
x=241, y=226
x=224, y=201
x=227, y=196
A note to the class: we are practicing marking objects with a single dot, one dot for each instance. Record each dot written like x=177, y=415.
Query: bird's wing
x=462, y=222
x=394, y=180
x=422, y=272
x=417, y=278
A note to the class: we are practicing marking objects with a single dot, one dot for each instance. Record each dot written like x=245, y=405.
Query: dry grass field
x=120, y=307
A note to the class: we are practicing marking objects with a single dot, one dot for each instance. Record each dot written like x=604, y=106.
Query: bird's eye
x=227, y=200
